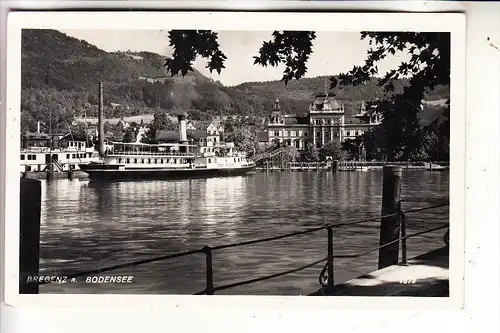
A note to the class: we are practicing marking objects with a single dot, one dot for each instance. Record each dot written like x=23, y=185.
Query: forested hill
x=61, y=74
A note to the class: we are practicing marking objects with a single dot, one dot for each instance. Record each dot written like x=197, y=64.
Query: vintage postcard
x=181, y=155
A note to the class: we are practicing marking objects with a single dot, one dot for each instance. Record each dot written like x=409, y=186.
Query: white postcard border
x=455, y=23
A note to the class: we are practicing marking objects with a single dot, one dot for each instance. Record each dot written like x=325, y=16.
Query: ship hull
x=111, y=173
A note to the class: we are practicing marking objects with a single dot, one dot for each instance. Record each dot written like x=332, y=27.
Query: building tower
x=276, y=106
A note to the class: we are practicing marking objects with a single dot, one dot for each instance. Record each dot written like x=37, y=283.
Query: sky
x=333, y=52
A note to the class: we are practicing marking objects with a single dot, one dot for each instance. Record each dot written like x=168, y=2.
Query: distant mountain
x=61, y=74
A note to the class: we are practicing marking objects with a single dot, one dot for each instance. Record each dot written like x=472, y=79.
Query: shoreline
x=40, y=175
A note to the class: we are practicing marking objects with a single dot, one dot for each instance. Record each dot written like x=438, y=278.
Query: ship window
x=128, y=160
x=209, y=160
x=348, y=133
x=67, y=156
x=22, y=157
x=149, y=161
x=234, y=160
x=142, y=161
x=156, y=161
x=119, y=161
x=161, y=161
x=72, y=155
x=135, y=160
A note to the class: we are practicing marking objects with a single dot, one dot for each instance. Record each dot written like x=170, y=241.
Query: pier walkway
x=425, y=276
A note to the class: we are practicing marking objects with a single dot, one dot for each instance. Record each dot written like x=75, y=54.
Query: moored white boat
x=124, y=161
x=165, y=161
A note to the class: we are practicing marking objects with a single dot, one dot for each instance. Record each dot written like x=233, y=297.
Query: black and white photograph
x=216, y=161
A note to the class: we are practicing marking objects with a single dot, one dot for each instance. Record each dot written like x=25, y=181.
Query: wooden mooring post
x=29, y=227
x=389, y=226
x=335, y=166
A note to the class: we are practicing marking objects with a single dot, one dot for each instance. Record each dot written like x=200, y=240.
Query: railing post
x=330, y=258
x=209, y=271
x=403, y=235
x=390, y=226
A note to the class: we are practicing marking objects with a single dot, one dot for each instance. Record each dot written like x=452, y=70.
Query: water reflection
x=88, y=225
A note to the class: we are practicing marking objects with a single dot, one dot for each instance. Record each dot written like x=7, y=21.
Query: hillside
x=61, y=74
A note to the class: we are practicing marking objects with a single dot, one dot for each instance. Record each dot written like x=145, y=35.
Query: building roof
x=114, y=135
x=354, y=120
x=296, y=120
x=321, y=99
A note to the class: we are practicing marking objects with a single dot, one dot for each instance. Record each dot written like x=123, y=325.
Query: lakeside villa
x=325, y=121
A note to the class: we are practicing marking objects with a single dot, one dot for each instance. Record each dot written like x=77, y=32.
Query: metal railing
x=326, y=275
x=131, y=154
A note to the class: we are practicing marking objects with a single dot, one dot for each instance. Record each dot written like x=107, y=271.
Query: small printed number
x=408, y=281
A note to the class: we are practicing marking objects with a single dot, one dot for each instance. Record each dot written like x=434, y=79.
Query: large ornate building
x=326, y=121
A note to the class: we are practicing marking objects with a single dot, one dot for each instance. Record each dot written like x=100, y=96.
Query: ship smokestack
x=101, y=121
x=182, y=128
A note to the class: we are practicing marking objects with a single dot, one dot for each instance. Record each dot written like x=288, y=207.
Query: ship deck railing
x=153, y=154
x=326, y=275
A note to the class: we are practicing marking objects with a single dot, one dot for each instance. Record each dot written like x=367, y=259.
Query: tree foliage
x=242, y=134
x=332, y=149
x=161, y=121
x=188, y=44
x=291, y=48
x=352, y=148
x=309, y=154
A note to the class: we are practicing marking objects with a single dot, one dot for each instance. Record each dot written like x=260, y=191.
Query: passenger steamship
x=123, y=161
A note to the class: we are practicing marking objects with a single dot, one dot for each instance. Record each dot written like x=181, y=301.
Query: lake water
x=87, y=225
